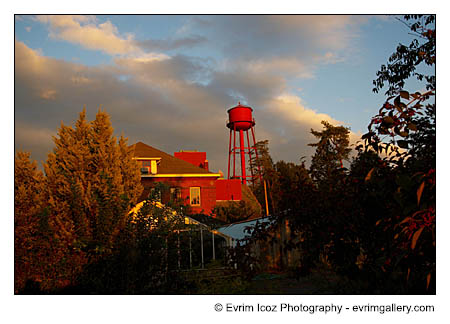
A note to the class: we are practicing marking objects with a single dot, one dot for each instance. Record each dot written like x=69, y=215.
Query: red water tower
x=240, y=120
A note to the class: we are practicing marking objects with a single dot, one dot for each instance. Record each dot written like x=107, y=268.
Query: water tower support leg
x=229, y=155
x=234, y=153
x=242, y=150
x=250, y=158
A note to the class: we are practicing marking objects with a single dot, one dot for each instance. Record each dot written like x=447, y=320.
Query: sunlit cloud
x=87, y=32
x=159, y=104
x=48, y=94
x=175, y=101
x=78, y=79
x=292, y=109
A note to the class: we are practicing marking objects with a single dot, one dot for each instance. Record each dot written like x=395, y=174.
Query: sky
x=168, y=80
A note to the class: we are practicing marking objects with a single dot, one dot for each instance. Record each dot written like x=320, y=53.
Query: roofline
x=247, y=220
x=216, y=232
x=181, y=175
x=146, y=158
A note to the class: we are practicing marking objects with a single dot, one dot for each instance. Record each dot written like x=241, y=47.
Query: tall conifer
x=29, y=199
x=92, y=182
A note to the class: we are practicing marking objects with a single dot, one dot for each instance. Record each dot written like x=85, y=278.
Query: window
x=155, y=194
x=175, y=194
x=149, y=166
x=145, y=168
x=195, y=196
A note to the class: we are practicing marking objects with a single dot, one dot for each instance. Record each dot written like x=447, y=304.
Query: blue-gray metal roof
x=242, y=230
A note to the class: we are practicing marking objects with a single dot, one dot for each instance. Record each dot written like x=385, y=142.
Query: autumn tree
x=92, y=183
x=29, y=220
x=405, y=131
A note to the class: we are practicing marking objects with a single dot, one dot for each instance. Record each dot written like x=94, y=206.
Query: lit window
x=195, y=196
x=149, y=167
x=145, y=168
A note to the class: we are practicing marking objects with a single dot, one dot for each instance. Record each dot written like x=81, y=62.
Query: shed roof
x=243, y=230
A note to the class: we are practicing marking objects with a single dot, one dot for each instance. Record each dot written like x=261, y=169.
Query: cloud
x=48, y=94
x=170, y=102
x=292, y=109
x=87, y=32
x=281, y=34
x=33, y=138
x=286, y=66
x=171, y=44
x=287, y=122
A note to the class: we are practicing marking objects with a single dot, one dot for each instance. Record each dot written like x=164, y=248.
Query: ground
x=227, y=281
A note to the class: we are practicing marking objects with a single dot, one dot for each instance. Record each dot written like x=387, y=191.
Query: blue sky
x=169, y=80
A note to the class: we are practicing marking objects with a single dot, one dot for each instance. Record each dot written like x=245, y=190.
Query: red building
x=188, y=177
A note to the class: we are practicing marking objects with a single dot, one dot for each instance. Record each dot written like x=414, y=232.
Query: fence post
x=190, y=248
x=201, y=239
x=179, y=252
x=213, y=247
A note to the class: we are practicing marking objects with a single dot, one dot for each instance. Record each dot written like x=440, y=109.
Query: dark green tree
x=331, y=150
x=263, y=165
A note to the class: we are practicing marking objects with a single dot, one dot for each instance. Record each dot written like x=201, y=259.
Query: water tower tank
x=240, y=118
x=240, y=121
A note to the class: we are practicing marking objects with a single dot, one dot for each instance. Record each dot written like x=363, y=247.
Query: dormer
x=148, y=165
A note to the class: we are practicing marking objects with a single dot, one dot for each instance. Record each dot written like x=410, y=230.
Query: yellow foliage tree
x=41, y=255
x=92, y=183
x=74, y=212
x=29, y=202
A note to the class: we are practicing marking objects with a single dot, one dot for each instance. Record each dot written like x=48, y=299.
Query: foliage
x=30, y=221
x=262, y=165
x=331, y=149
x=374, y=224
x=73, y=214
x=411, y=156
x=139, y=262
x=405, y=61
x=283, y=180
x=92, y=183
x=233, y=211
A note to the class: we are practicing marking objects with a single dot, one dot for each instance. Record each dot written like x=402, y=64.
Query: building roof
x=208, y=220
x=241, y=231
x=169, y=164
